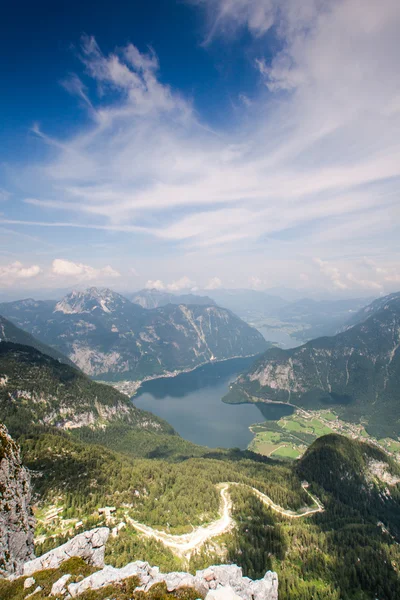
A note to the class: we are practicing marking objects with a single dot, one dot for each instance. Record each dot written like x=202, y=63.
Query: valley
x=290, y=436
x=183, y=479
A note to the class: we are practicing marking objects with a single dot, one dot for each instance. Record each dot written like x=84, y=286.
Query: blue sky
x=199, y=144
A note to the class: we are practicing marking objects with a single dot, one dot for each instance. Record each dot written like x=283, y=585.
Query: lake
x=279, y=336
x=191, y=403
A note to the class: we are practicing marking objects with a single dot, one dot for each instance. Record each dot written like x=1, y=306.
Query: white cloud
x=16, y=271
x=213, y=284
x=184, y=283
x=332, y=273
x=155, y=284
x=66, y=268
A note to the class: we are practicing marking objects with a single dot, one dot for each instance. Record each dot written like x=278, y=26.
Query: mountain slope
x=368, y=311
x=10, y=333
x=156, y=298
x=358, y=371
x=357, y=474
x=36, y=390
x=106, y=335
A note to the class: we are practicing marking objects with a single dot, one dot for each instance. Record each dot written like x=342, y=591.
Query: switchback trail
x=184, y=545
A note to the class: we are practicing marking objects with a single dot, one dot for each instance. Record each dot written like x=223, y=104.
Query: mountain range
x=87, y=447
x=307, y=318
x=108, y=336
x=152, y=298
x=356, y=371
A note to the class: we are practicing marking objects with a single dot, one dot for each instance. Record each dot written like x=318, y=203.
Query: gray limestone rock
x=59, y=587
x=223, y=593
x=16, y=518
x=89, y=545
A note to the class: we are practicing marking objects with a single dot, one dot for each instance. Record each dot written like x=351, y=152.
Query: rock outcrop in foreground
x=16, y=519
x=223, y=582
x=89, y=545
x=209, y=583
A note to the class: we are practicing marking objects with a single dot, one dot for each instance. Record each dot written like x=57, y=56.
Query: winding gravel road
x=184, y=545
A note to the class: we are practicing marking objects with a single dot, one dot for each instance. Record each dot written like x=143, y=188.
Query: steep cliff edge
x=16, y=519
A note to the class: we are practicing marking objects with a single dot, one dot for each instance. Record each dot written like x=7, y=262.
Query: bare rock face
x=89, y=545
x=223, y=582
x=16, y=518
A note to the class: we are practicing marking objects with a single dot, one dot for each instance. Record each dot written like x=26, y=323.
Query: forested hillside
x=348, y=550
x=133, y=463
x=36, y=389
x=10, y=333
x=357, y=372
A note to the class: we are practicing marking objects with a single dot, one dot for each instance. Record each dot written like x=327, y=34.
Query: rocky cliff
x=16, y=519
x=222, y=582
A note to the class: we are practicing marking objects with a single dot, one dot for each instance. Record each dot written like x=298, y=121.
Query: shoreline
x=130, y=387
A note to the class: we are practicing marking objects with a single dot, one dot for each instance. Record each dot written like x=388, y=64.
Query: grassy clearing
x=287, y=452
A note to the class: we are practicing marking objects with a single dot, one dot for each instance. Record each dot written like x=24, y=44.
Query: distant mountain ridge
x=320, y=317
x=152, y=298
x=246, y=301
x=357, y=371
x=372, y=308
x=108, y=336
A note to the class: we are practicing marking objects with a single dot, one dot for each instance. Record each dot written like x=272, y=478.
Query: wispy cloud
x=313, y=160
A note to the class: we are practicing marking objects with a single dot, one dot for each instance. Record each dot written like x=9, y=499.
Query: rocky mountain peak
x=16, y=519
x=90, y=300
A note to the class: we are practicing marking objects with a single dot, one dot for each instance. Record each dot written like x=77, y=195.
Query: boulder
x=59, y=587
x=36, y=591
x=89, y=545
x=28, y=583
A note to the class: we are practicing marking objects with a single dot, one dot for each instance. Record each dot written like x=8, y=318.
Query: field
x=289, y=437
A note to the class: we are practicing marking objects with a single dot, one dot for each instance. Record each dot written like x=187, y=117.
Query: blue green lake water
x=191, y=403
